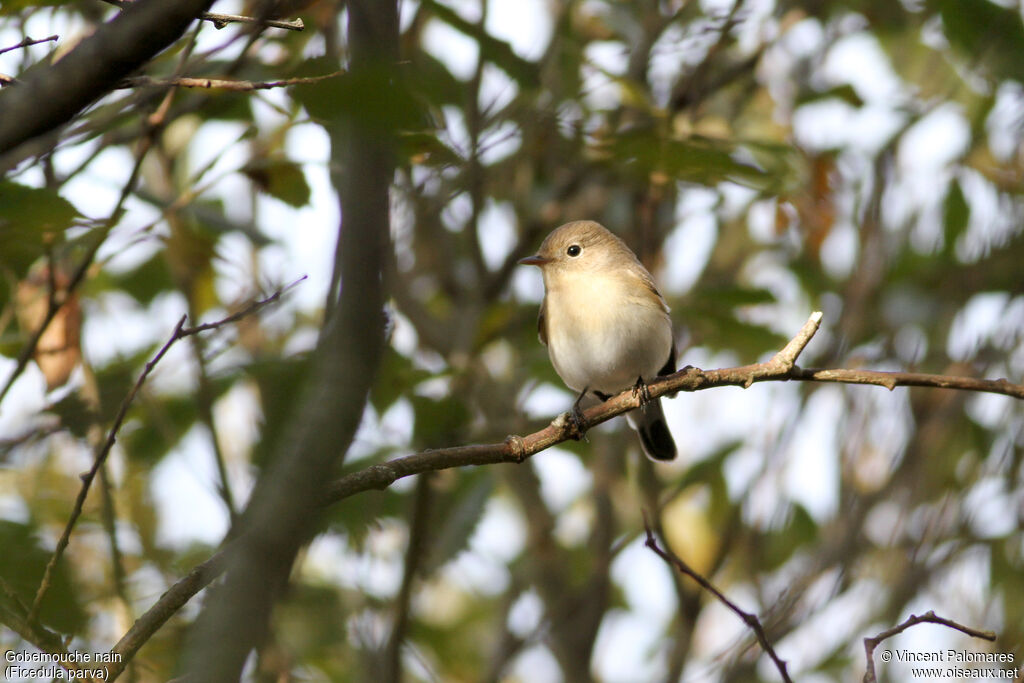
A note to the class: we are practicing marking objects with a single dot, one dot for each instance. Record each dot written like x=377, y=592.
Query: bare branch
x=749, y=619
x=54, y=304
x=53, y=95
x=516, y=449
x=14, y=615
x=166, y=607
x=285, y=503
x=29, y=41
x=419, y=518
x=222, y=20
x=891, y=380
x=928, y=617
x=221, y=83
x=153, y=123
x=180, y=332
x=780, y=368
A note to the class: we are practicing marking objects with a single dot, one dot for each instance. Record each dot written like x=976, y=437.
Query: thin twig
x=222, y=83
x=928, y=617
x=419, y=529
x=78, y=276
x=29, y=41
x=222, y=20
x=204, y=404
x=516, y=449
x=14, y=615
x=749, y=619
x=36, y=434
x=180, y=332
x=891, y=380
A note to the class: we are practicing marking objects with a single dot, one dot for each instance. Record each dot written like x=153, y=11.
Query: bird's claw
x=640, y=389
x=577, y=422
x=578, y=431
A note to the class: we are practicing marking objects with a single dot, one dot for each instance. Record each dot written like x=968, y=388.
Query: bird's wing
x=670, y=364
x=649, y=284
x=542, y=328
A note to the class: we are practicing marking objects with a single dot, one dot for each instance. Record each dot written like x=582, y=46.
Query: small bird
x=605, y=325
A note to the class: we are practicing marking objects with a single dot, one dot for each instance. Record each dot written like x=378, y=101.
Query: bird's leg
x=576, y=417
x=640, y=388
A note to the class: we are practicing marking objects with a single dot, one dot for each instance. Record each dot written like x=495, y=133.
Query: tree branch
x=55, y=94
x=780, y=368
x=180, y=332
x=221, y=83
x=749, y=619
x=891, y=380
x=928, y=617
x=419, y=530
x=222, y=20
x=29, y=41
x=283, y=509
x=515, y=449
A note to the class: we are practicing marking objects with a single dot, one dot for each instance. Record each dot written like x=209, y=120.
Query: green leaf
x=29, y=217
x=985, y=32
x=373, y=96
x=281, y=179
x=458, y=517
x=845, y=92
x=148, y=280
x=161, y=425
x=956, y=213
x=780, y=544
x=21, y=566
x=12, y=7
x=431, y=80
x=427, y=148
x=717, y=327
x=357, y=515
x=396, y=378
x=280, y=382
x=496, y=51
x=732, y=296
x=75, y=416
x=439, y=422
x=114, y=381
x=695, y=159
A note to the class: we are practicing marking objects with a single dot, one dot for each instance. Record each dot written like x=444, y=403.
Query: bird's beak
x=535, y=260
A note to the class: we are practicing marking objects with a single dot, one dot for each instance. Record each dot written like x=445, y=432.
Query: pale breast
x=603, y=335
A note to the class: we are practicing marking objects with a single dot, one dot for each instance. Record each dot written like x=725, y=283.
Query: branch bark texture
x=54, y=95
x=285, y=504
x=928, y=617
x=516, y=449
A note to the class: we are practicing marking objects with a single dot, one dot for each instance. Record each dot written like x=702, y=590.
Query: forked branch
x=515, y=449
x=748, y=618
x=180, y=332
x=928, y=617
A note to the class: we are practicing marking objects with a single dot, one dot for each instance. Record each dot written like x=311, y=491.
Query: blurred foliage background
x=765, y=158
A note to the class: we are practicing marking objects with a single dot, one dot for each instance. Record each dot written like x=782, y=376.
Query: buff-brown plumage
x=604, y=323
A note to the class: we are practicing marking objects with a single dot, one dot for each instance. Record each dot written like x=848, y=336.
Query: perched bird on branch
x=605, y=325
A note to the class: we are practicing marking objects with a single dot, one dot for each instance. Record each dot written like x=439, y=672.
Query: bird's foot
x=576, y=419
x=640, y=389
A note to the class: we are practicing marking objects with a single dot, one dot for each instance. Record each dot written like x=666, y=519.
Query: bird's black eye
x=573, y=250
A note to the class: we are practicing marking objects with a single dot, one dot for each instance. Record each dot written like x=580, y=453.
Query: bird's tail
x=656, y=439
